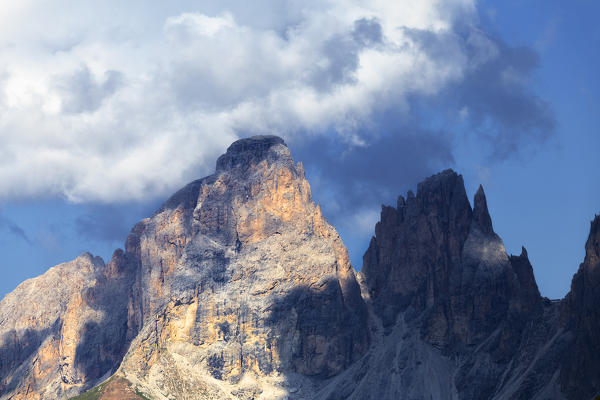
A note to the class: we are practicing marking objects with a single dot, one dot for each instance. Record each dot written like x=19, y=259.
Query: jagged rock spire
x=481, y=216
x=579, y=376
x=592, y=246
x=528, y=290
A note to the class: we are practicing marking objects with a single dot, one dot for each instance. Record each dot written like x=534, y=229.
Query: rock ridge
x=436, y=264
x=237, y=287
x=244, y=152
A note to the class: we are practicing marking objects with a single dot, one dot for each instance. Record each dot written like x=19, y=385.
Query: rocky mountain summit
x=437, y=270
x=238, y=288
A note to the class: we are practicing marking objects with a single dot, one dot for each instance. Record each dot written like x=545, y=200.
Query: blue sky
x=106, y=110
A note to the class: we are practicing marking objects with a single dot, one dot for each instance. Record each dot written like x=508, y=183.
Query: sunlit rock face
x=241, y=277
x=237, y=277
x=64, y=330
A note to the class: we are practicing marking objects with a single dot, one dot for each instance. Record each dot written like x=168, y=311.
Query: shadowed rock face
x=416, y=245
x=481, y=215
x=530, y=300
x=434, y=253
x=436, y=267
x=580, y=377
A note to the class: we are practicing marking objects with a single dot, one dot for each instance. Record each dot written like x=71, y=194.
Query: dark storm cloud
x=112, y=223
x=495, y=94
x=492, y=104
x=341, y=54
x=502, y=107
x=367, y=31
x=83, y=92
x=347, y=179
x=103, y=223
x=351, y=182
x=14, y=229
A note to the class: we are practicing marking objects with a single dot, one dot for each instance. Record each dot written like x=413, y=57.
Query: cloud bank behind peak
x=97, y=108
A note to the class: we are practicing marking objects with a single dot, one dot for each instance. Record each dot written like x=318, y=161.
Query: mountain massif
x=238, y=288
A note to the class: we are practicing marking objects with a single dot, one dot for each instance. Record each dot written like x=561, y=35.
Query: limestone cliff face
x=240, y=277
x=63, y=330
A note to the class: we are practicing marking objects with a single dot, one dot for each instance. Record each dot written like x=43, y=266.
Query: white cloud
x=363, y=221
x=96, y=107
x=188, y=25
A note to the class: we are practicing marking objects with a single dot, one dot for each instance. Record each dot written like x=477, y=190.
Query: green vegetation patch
x=94, y=393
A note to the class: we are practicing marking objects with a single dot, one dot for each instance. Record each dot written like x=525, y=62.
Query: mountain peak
x=426, y=230
x=437, y=180
x=249, y=245
x=481, y=215
x=592, y=246
x=524, y=252
x=248, y=151
x=443, y=192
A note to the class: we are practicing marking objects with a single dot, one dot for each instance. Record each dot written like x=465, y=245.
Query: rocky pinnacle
x=481, y=216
